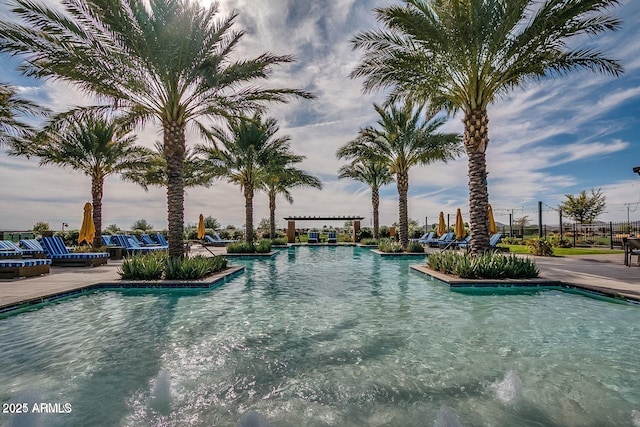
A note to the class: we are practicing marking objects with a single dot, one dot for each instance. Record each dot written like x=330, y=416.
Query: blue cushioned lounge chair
x=106, y=240
x=9, y=250
x=148, y=241
x=160, y=239
x=314, y=237
x=216, y=240
x=494, y=240
x=13, y=268
x=132, y=246
x=444, y=240
x=26, y=252
x=56, y=250
x=333, y=237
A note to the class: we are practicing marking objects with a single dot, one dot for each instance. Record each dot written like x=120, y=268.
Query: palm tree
x=281, y=178
x=373, y=173
x=94, y=145
x=13, y=131
x=169, y=61
x=463, y=54
x=401, y=140
x=243, y=154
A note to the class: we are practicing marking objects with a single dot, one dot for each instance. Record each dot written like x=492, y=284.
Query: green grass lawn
x=521, y=249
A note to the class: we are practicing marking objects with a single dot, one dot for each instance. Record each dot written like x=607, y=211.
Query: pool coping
x=211, y=282
x=539, y=283
x=398, y=254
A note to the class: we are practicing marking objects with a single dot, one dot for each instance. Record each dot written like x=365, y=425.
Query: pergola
x=291, y=224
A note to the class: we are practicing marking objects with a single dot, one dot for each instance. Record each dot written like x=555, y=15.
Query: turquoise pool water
x=325, y=336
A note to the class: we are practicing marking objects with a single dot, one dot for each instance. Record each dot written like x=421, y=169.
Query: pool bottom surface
x=325, y=336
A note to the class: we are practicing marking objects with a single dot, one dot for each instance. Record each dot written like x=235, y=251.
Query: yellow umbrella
x=442, y=227
x=88, y=229
x=460, y=230
x=492, y=222
x=201, y=227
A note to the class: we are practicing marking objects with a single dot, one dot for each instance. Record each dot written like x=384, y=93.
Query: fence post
x=540, y=219
x=574, y=234
x=560, y=224
x=611, y=234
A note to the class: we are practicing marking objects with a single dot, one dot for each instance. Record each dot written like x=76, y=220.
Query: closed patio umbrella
x=201, y=227
x=442, y=227
x=459, y=229
x=492, y=222
x=88, y=229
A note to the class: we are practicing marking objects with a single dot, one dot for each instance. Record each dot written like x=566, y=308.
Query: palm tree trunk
x=174, y=149
x=375, y=202
x=248, y=209
x=476, y=139
x=403, y=190
x=97, y=185
x=272, y=214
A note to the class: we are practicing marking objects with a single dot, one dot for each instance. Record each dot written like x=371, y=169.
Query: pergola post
x=356, y=230
x=291, y=231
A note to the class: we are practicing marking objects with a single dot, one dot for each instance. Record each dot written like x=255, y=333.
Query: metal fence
x=608, y=234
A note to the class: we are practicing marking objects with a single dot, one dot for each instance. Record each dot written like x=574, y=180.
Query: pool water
x=325, y=336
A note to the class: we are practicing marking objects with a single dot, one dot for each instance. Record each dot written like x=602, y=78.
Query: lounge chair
x=216, y=240
x=494, y=240
x=9, y=250
x=26, y=252
x=34, y=247
x=106, y=240
x=333, y=237
x=631, y=248
x=133, y=246
x=13, y=268
x=463, y=244
x=148, y=241
x=427, y=238
x=160, y=239
x=56, y=250
x=314, y=237
x=444, y=240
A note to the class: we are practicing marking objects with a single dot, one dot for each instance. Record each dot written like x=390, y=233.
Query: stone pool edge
x=211, y=282
x=540, y=283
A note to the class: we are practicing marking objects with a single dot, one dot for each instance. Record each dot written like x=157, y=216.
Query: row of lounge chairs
x=448, y=241
x=314, y=237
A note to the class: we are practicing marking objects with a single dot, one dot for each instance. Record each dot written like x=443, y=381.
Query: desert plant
x=143, y=267
x=241, y=248
x=279, y=241
x=386, y=245
x=540, y=247
x=369, y=241
x=263, y=246
x=415, y=247
x=485, y=266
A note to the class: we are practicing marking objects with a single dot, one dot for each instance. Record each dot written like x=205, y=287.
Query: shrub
x=240, y=248
x=365, y=233
x=88, y=248
x=540, y=247
x=143, y=267
x=384, y=232
x=487, y=266
x=415, y=247
x=369, y=241
x=386, y=245
x=263, y=246
x=557, y=242
x=279, y=241
x=154, y=266
x=345, y=238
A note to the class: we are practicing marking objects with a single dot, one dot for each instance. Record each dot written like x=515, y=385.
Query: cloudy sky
x=548, y=139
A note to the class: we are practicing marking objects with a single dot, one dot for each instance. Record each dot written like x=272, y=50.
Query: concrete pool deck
x=605, y=274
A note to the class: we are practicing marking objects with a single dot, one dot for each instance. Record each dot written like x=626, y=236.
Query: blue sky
x=547, y=139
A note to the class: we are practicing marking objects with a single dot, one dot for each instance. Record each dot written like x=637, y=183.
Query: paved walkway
x=603, y=273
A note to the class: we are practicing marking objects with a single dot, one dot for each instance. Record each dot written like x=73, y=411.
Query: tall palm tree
x=373, y=173
x=169, y=61
x=244, y=153
x=281, y=178
x=13, y=130
x=402, y=139
x=461, y=55
x=95, y=145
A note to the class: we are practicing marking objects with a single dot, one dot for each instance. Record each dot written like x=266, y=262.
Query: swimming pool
x=325, y=336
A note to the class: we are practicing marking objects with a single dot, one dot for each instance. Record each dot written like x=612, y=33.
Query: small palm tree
x=166, y=60
x=373, y=173
x=401, y=140
x=461, y=55
x=283, y=177
x=14, y=132
x=94, y=145
x=243, y=154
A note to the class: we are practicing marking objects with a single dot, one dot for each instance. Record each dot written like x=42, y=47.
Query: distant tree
x=113, y=229
x=142, y=224
x=41, y=226
x=521, y=222
x=211, y=222
x=584, y=208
